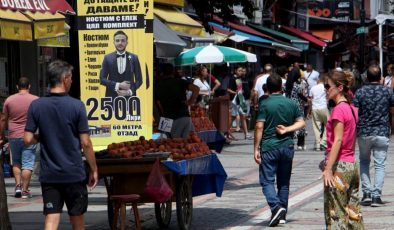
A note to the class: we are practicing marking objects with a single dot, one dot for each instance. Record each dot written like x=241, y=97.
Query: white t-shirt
x=203, y=85
x=318, y=94
x=259, y=84
x=387, y=81
x=311, y=78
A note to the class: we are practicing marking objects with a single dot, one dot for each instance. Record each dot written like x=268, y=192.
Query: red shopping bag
x=157, y=187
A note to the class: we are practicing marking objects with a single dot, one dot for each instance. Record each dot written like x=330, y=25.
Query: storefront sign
x=52, y=6
x=339, y=9
x=116, y=65
x=61, y=41
x=15, y=30
x=48, y=29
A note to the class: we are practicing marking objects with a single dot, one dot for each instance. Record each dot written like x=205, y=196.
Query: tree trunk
x=5, y=223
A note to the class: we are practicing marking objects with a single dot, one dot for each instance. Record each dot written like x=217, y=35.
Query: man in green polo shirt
x=277, y=119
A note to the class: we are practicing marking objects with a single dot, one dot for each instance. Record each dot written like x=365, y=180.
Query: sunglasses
x=327, y=86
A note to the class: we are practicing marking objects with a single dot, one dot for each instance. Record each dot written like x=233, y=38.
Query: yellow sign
x=48, y=29
x=116, y=67
x=179, y=3
x=15, y=30
x=61, y=41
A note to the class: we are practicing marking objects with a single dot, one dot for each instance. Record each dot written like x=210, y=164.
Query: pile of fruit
x=198, y=111
x=178, y=148
x=200, y=120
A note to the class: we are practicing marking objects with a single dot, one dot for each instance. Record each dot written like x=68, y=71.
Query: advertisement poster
x=116, y=67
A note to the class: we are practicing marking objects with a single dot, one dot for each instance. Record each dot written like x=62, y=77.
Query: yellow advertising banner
x=116, y=69
x=15, y=30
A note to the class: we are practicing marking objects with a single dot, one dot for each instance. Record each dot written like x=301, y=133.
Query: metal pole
x=362, y=38
x=307, y=16
x=381, y=46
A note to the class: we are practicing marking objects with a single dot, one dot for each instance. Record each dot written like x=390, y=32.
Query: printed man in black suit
x=121, y=70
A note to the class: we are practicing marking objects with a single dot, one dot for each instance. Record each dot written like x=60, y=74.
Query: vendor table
x=214, y=139
x=187, y=178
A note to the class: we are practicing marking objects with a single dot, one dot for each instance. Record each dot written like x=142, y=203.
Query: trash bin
x=219, y=107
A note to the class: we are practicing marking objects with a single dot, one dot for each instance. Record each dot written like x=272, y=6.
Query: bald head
x=373, y=73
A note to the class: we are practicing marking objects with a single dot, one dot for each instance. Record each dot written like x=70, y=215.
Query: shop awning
x=15, y=26
x=241, y=27
x=256, y=39
x=47, y=25
x=309, y=37
x=225, y=34
x=179, y=21
x=51, y=6
x=295, y=41
x=168, y=44
x=325, y=34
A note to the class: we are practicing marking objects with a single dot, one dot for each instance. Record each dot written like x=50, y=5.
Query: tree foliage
x=205, y=9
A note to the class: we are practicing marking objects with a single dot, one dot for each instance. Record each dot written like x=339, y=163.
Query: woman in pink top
x=341, y=173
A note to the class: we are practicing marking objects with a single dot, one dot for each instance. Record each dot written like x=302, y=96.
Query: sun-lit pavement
x=242, y=205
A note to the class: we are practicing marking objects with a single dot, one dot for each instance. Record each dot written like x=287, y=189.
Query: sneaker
x=377, y=202
x=283, y=219
x=249, y=137
x=18, y=191
x=366, y=200
x=299, y=147
x=26, y=194
x=277, y=214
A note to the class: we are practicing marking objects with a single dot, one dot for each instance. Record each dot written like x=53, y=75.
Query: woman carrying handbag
x=341, y=173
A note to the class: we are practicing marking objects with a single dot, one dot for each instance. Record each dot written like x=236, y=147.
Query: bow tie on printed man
x=120, y=55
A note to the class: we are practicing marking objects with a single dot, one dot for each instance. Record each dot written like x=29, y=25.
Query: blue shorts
x=22, y=155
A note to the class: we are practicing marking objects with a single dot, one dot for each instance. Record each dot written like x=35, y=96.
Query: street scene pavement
x=242, y=205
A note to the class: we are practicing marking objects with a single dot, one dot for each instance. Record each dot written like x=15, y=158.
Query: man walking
x=277, y=119
x=15, y=115
x=374, y=102
x=63, y=130
x=311, y=76
x=319, y=113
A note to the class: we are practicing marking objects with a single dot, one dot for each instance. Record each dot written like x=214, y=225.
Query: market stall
x=206, y=129
x=188, y=166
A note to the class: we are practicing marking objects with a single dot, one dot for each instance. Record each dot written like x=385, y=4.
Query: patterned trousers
x=341, y=203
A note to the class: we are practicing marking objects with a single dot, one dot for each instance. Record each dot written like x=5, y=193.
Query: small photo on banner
x=116, y=68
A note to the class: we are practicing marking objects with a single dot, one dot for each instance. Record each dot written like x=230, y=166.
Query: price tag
x=165, y=124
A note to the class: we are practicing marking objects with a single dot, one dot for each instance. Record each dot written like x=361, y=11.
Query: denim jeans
x=377, y=145
x=276, y=164
x=22, y=155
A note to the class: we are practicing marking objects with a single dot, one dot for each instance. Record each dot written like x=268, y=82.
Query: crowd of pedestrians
x=280, y=98
x=341, y=115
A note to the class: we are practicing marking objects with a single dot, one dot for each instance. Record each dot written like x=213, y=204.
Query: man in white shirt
x=260, y=80
x=319, y=112
x=311, y=76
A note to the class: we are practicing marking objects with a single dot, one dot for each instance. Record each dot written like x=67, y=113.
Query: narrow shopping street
x=242, y=205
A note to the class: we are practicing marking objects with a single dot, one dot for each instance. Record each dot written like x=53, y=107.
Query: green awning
x=295, y=41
